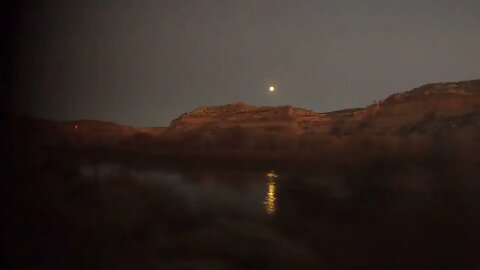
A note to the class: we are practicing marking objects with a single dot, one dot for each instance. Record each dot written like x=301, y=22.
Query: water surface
x=106, y=215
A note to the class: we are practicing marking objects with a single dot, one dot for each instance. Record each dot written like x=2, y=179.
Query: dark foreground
x=69, y=213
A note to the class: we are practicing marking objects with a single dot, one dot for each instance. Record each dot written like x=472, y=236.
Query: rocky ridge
x=441, y=119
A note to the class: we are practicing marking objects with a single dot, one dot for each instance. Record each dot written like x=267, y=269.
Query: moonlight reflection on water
x=309, y=219
x=270, y=197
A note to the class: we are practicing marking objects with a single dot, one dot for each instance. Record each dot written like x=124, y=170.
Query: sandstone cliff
x=434, y=120
x=439, y=102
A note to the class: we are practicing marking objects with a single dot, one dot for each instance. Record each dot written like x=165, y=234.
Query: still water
x=106, y=215
x=240, y=189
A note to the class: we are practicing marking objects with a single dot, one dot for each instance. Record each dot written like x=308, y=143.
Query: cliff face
x=242, y=116
x=437, y=101
x=32, y=132
x=235, y=115
x=425, y=106
x=442, y=118
x=434, y=119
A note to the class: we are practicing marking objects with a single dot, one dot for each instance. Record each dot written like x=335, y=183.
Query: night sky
x=143, y=63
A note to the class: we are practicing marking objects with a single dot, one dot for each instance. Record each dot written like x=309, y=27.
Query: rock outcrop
x=442, y=99
x=440, y=120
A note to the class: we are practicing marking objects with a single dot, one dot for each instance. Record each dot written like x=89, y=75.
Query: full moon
x=271, y=88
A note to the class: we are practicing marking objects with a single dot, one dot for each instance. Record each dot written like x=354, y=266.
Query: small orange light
x=76, y=126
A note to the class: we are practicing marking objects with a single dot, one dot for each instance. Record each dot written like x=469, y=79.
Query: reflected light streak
x=270, y=197
x=272, y=174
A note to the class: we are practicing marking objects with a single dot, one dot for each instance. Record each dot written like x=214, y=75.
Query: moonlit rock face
x=271, y=88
